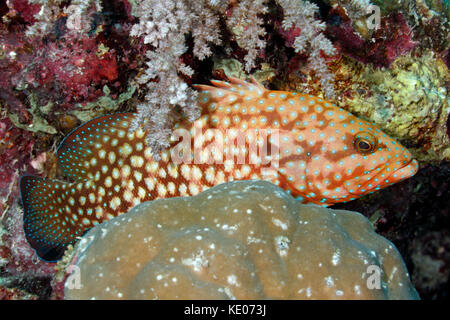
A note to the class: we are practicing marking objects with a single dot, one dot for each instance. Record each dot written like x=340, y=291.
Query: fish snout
x=405, y=172
x=409, y=170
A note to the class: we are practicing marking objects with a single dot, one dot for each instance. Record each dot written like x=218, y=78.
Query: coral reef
x=59, y=67
x=63, y=63
x=414, y=215
x=300, y=15
x=163, y=24
x=272, y=246
x=15, y=294
x=391, y=40
x=408, y=100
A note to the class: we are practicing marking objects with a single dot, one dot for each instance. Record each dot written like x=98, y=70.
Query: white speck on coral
x=229, y=293
x=308, y=292
x=249, y=211
x=159, y=277
x=329, y=282
x=358, y=290
x=253, y=240
x=339, y=293
x=282, y=245
x=299, y=276
x=120, y=295
x=199, y=237
x=174, y=279
x=232, y=280
x=393, y=272
x=197, y=262
x=212, y=246
x=280, y=223
x=336, y=258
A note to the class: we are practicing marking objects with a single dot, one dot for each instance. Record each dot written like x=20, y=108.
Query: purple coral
x=391, y=40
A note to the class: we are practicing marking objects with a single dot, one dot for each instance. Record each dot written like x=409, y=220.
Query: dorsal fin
x=78, y=152
x=229, y=91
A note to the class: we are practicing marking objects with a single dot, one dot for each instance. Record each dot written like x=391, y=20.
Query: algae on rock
x=409, y=100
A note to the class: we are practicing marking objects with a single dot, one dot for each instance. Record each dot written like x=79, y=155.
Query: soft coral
x=392, y=39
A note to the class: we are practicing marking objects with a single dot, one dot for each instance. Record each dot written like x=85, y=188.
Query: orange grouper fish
x=321, y=154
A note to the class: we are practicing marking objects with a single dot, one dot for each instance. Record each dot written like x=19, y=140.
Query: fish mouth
x=405, y=172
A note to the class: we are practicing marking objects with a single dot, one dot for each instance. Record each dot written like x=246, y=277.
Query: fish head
x=378, y=159
x=341, y=157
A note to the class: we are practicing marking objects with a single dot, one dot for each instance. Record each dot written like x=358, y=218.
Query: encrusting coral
x=409, y=100
x=240, y=240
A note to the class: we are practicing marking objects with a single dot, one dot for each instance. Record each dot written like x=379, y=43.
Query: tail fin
x=47, y=229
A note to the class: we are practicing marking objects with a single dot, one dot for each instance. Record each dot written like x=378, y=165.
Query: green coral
x=38, y=112
x=409, y=100
x=103, y=105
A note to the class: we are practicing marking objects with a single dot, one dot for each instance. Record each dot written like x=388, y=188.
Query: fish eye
x=365, y=143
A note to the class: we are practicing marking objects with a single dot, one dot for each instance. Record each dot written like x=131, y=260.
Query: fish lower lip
x=408, y=171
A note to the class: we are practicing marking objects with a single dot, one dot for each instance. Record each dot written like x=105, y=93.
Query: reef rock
x=239, y=240
x=409, y=101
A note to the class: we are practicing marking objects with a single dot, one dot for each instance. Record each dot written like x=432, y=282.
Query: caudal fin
x=44, y=223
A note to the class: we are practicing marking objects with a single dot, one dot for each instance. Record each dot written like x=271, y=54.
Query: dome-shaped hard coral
x=243, y=240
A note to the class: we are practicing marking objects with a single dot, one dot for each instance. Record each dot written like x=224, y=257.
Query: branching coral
x=78, y=15
x=311, y=40
x=164, y=24
x=44, y=19
x=240, y=240
x=247, y=15
x=356, y=8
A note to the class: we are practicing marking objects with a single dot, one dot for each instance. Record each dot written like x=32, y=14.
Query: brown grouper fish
x=319, y=153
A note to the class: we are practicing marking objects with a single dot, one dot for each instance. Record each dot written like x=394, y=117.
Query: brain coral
x=239, y=240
